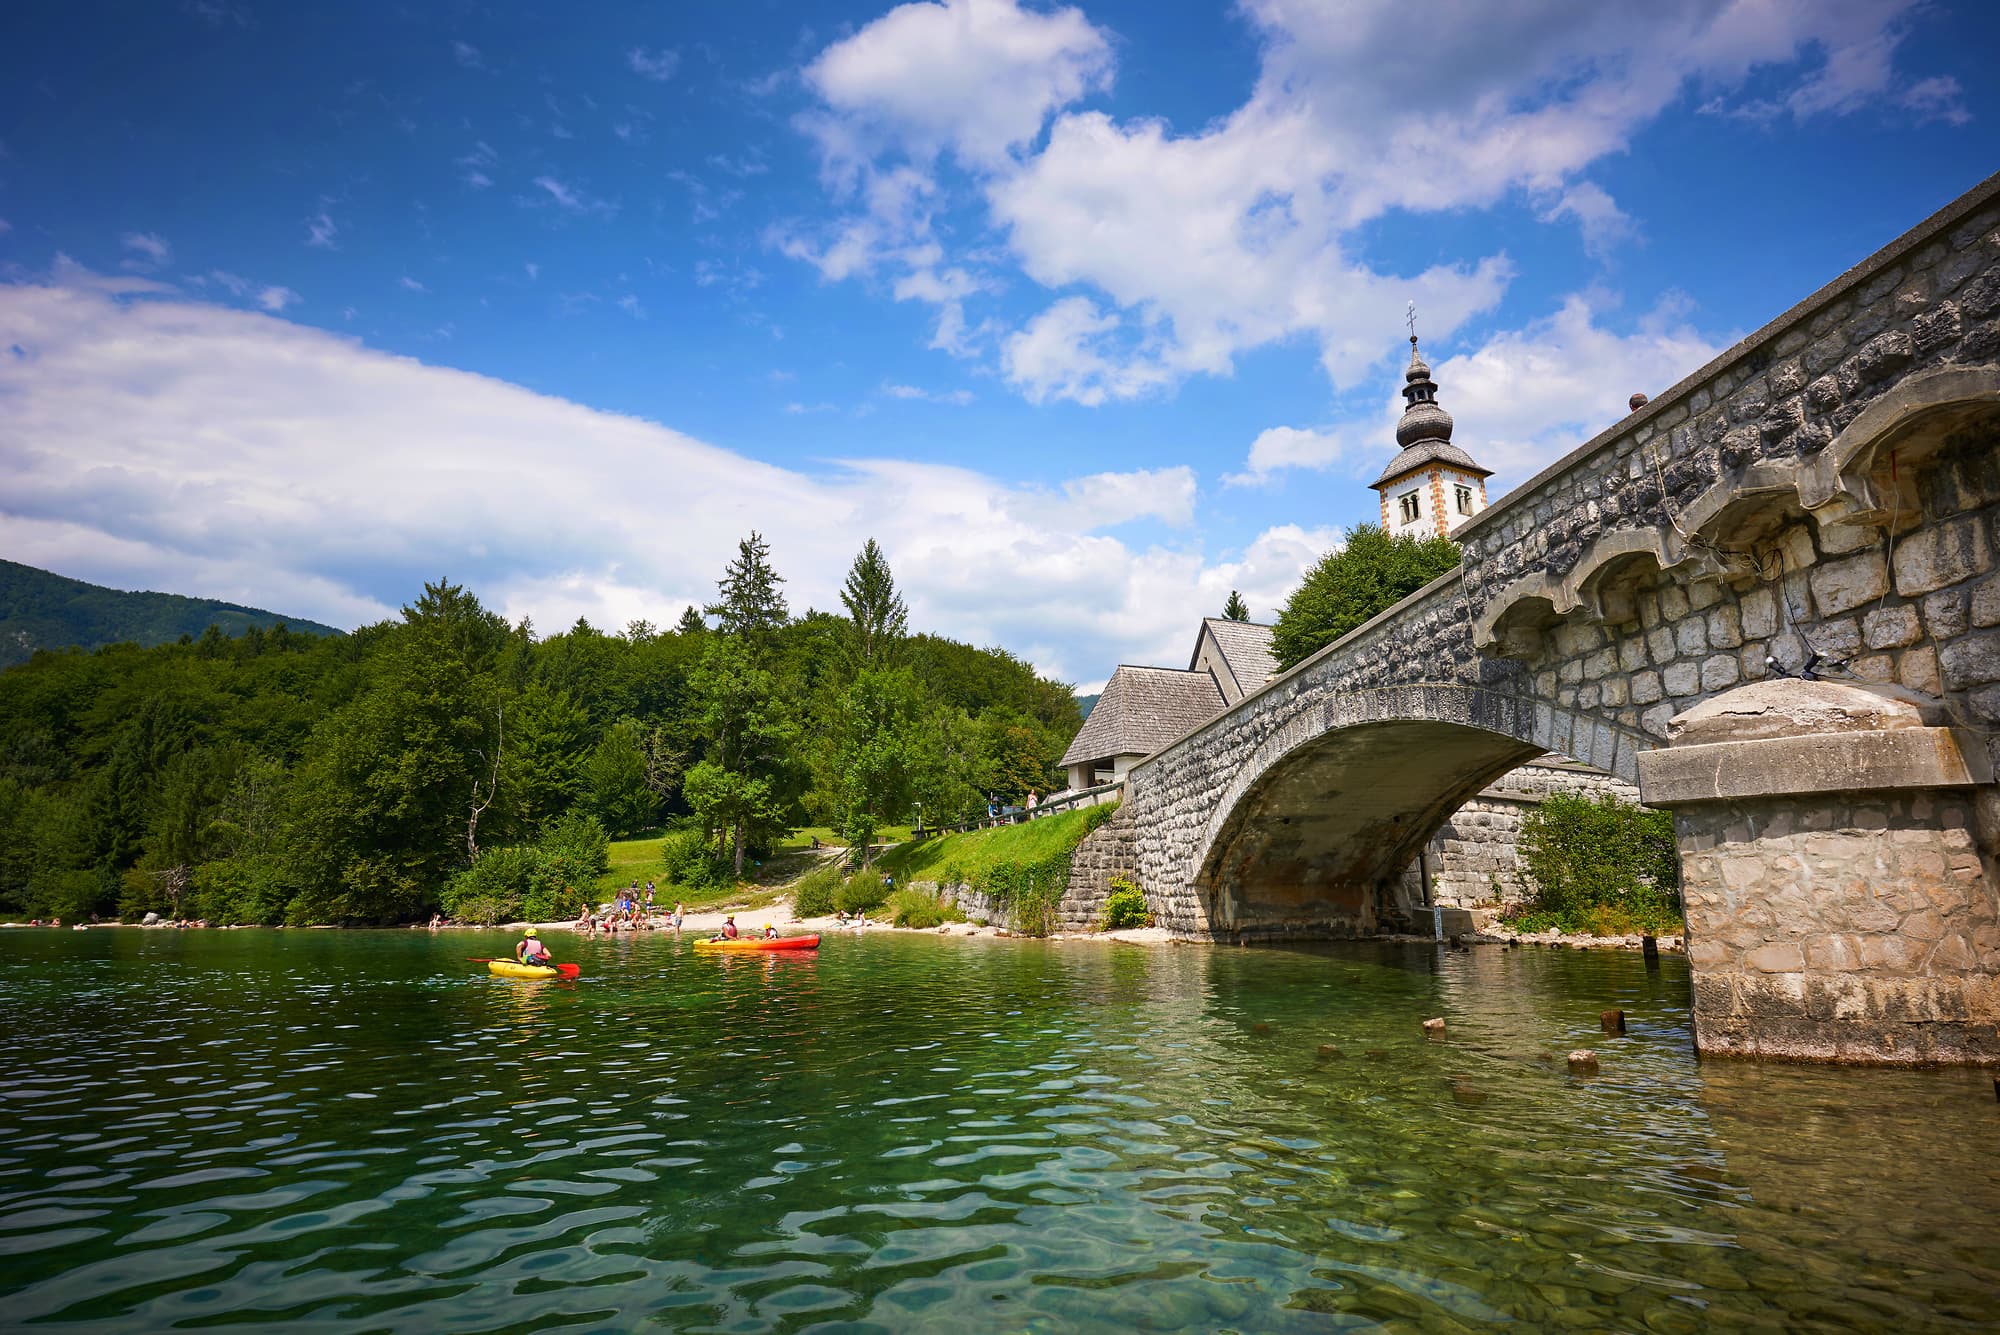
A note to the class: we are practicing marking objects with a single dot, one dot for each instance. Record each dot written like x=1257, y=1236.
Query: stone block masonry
x=1838, y=905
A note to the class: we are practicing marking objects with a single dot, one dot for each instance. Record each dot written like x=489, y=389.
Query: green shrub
x=574, y=851
x=861, y=892
x=916, y=908
x=75, y=895
x=813, y=895
x=1125, y=906
x=495, y=887
x=238, y=890
x=1604, y=867
x=688, y=859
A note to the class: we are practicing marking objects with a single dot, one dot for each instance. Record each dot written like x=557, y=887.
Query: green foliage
x=861, y=892
x=1369, y=573
x=495, y=887
x=616, y=780
x=1236, y=609
x=1603, y=866
x=243, y=889
x=574, y=852
x=39, y=610
x=1125, y=906
x=751, y=605
x=276, y=776
x=543, y=882
x=688, y=860
x=816, y=894
x=916, y=908
x=874, y=609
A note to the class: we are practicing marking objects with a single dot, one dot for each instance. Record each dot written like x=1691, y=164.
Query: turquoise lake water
x=360, y=1132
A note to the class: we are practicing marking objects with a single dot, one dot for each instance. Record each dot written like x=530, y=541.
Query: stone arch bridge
x=1822, y=499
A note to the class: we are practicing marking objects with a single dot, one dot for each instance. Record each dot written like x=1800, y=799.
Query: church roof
x=1428, y=452
x=1424, y=430
x=1141, y=710
x=1246, y=648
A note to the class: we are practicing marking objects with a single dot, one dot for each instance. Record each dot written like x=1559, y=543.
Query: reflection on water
x=364, y=1132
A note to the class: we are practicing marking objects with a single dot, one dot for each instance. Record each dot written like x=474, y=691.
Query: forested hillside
x=279, y=776
x=40, y=610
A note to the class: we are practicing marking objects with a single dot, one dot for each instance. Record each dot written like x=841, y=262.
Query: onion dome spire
x=1422, y=419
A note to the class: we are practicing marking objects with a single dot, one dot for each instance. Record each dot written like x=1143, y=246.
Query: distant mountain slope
x=39, y=610
x=1084, y=702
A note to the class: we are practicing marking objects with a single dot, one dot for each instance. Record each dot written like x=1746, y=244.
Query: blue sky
x=1088, y=313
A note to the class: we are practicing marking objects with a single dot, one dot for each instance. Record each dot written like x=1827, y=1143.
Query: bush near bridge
x=1602, y=867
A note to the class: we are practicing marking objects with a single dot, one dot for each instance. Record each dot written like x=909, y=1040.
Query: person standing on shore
x=677, y=915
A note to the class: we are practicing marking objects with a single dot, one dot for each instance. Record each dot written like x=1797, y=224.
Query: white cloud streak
x=161, y=442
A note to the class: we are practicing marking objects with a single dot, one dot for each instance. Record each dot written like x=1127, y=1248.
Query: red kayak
x=760, y=943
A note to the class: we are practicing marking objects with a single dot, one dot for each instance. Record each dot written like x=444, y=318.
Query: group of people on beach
x=632, y=910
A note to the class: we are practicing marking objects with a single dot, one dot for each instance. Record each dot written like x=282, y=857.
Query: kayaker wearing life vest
x=530, y=950
x=729, y=932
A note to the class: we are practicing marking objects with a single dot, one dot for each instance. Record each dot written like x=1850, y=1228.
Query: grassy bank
x=1024, y=868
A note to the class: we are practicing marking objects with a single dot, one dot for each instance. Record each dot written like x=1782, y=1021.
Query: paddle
x=566, y=970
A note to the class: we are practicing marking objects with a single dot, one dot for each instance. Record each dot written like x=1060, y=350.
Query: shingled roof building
x=1144, y=708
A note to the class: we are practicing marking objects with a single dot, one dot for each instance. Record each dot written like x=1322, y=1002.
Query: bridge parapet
x=1824, y=495
x=1809, y=439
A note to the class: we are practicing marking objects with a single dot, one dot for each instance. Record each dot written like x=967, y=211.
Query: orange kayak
x=761, y=943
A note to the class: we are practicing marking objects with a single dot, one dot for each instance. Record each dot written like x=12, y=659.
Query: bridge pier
x=1839, y=904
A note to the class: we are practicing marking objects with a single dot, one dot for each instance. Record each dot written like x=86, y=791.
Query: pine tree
x=880, y=619
x=690, y=622
x=751, y=604
x=1236, y=609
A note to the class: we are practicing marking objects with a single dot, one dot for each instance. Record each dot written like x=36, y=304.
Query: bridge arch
x=1321, y=819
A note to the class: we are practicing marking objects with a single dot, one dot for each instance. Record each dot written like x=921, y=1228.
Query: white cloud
x=978, y=77
x=472, y=168
x=1596, y=213
x=168, y=443
x=321, y=231
x=572, y=200
x=958, y=398
x=533, y=270
x=467, y=55
x=629, y=303
x=410, y=284
x=5, y=227
x=1172, y=253
x=658, y=66
x=149, y=250
x=1280, y=447
x=1071, y=351
x=276, y=298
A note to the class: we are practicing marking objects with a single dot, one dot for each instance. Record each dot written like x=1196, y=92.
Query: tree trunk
x=739, y=850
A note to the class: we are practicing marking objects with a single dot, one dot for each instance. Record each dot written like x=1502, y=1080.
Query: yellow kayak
x=509, y=969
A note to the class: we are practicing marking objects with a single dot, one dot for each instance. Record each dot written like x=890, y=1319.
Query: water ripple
x=349, y=1132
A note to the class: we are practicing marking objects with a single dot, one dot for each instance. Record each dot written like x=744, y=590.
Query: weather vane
x=1410, y=318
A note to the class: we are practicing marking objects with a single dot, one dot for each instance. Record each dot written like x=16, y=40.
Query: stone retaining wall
x=1107, y=851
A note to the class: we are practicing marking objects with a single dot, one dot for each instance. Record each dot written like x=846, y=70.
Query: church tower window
x=1408, y=501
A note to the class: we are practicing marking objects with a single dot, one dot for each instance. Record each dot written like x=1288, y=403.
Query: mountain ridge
x=40, y=609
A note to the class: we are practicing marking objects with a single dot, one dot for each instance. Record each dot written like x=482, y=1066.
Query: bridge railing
x=1071, y=800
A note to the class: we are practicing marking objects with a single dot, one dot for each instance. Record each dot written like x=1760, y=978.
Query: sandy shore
x=779, y=915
